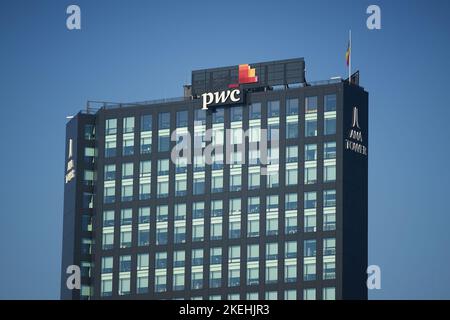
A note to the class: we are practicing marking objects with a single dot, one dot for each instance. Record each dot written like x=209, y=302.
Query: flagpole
x=350, y=56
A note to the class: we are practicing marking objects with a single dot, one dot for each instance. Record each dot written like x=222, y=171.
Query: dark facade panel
x=274, y=73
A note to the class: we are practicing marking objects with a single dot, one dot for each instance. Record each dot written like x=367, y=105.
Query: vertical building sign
x=354, y=142
x=70, y=169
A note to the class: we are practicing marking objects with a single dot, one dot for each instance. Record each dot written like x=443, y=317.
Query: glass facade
x=190, y=228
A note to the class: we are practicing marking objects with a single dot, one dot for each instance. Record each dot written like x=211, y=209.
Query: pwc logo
x=246, y=75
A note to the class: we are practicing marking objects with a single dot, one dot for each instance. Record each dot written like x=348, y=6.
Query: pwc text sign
x=234, y=94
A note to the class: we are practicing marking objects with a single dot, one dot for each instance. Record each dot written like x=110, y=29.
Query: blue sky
x=141, y=50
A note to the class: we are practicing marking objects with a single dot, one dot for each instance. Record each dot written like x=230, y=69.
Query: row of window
x=236, y=114
x=216, y=208
x=217, y=182
x=217, y=256
x=199, y=161
x=328, y=293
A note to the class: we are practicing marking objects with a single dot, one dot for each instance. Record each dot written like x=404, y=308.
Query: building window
x=309, y=248
x=310, y=175
x=310, y=152
x=180, y=234
x=309, y=271
x=164, y=120
x=309, y=294
x=218, y=115
x=182, y=119
x=310, y=223
x=109, y=194
x=291, y=201
x=179, y=258
x=252, y=252
x=310, y=104
x=290, y=250
x=161, y=260
x=198, y=232
x=271, y=295
x=310, y=127
x=310, y=200
x=146, y=122
x=160, y=283
x=197, y=280
x=329, y=246
x=126, y=216
x=127, y=192
x=329, y=150
x=329, y=293
x=272, y=226
x=142, y=284
x=125, y=263
x=110, y=172
x=162, y=213
x=216, y=230
x=108, y=218
x=163, y=189
x=161, y=236
x=215, y=279
x=329, y=172
x=200, y=117
x=236, y=114
x=128, y=146
x=292, y=130
x=330, y=126
x=291, y=154
x=234, y=254
x=216, y=208
x=271, y=274
x=329, y=198
x=272, y=251
x=106, y=287
x=199, y=185
x=235, y=182
x=146, y=145
x=253, y=205
x=110, y=149
x=107, y=264
x=253, y=180
x=89, y=132
x=255, y=111
x=234, y=278
x=272, y=179
x=290, y=294
x=163, y=142
x=291, y=107
x=290, y=273
x=217, y=183
x=144, y=237
x=128, y=124
x=253, y=227
x=142, y=261
x=111, y=126
x=290, y=225
x=125, y=239
x=329, y=221
x=178, y=281
x=330, y=103
x=253, y=275
x=235, y=229
x=329, y=270
x=144, y=190
x=216, y=255
x=273, y=109
x=291, y=176
x=107, y=240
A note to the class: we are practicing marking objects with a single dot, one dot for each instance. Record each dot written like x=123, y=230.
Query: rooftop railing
x=93, y=106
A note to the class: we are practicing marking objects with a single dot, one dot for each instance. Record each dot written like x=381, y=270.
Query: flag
x=347, y=54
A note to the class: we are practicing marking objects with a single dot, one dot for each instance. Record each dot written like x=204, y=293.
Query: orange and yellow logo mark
x=246, y=75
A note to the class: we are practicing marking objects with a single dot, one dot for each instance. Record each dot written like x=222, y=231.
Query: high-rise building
x=142, y=223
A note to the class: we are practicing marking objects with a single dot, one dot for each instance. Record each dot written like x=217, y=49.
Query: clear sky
x=141, y=50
